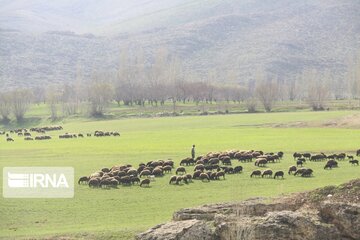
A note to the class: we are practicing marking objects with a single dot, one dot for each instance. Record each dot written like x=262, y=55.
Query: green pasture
x=121, y=213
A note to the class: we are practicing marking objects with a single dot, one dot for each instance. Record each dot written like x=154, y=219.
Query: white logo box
x=38, y=182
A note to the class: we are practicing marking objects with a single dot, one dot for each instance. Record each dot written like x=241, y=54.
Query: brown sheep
x=94, y=182
x=307, y=173
x=353, y=162
x=279, y=174
x=145, y=182
x=83, y=180
x=255, y=173
x=181, y=170
x=204, y=176
x=220, y=174
x=261, y=162
x=157, y=172
x=199, y=167
x=267, y=173
x=292, y=169
x=196, y=174
x=145, y=173
x=173, y=179
x=179, y=179
x=167, y=169
x=238, y=169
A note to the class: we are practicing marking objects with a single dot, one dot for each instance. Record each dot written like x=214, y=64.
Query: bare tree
x=267, y=92
x=52, y=99
x=20, y=101
x=5, y=106
x=100, y=94
x=317, y=92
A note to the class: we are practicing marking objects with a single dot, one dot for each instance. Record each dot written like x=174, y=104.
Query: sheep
x=134, y=180
x=145, y=182
x=157, y=172
x=220, y=174
x=279, y=174
x=94, y=182
x=9, y=139
x=299, y=163
x=28, y=139
x=261, y=162
x=179, y=179
x=307, y=173
x=238, y=169
x=204, y=176
x=297, y=155
x=353, y=162
x=292, y=169
x=196, y=174
x=255, y=173
x=199, y=167
x=84, y=179
x=267, y=172
x=181, y=170
x=167, y=169
x=172, y=179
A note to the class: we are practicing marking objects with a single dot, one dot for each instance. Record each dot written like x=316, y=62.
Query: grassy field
x=120, y=213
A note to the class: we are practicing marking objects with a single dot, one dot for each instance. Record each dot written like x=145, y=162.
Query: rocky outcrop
x=314, y=215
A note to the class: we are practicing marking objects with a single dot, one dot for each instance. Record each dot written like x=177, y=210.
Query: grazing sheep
x=179, y=179
x=188, y=177
x=167, y=169
x=9, y=139
x=185, y=162
x=105, y=183
x=307, y=155
x=353, y=162
x=333, y=163
x=28, y=139
x=279, y=174
x=299, y=163
x=199, y=167
x=292, y=169
x=173, y=179
x=261, y=162
x=181, y=170
x=204, y=176
x=157, y=172
x=297, y=155
x=238, y=169
x=267, y=173
x=94, y=182
x=83, y=180
x=299, y=171
x=113, y=183
x=145, y=173
x=220, y=174
x=196, y=174
x=350, y=157
x=145, y=182
x=255, y=173
x=307, y=173
x=134, y=180
x=358, y=152
x=125, y=180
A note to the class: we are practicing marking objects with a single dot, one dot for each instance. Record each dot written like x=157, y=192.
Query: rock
x=179, y=230
x=311, y=215
x=278, y=225
x=346, y=217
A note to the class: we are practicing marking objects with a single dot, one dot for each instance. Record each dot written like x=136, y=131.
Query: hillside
x=48, y=42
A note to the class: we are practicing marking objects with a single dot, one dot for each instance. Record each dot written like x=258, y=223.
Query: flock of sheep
x=206, y=168
x=27, y=133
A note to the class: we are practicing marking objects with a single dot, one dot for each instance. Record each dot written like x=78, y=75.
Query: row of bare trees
x=165, y=80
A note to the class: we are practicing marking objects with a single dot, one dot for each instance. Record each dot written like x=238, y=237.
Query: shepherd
x=193, y=152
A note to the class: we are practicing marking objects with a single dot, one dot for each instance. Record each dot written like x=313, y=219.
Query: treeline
x=137, y=83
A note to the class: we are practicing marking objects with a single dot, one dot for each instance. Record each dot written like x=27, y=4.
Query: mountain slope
x=281, y=37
